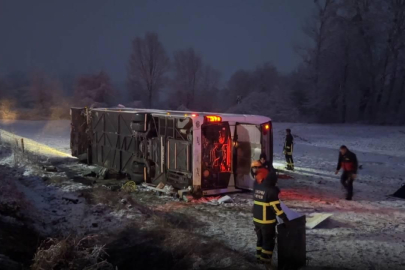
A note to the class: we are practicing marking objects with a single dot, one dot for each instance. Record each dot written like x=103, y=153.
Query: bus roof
x=241, y=118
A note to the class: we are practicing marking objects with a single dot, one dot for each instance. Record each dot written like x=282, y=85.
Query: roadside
x=132, y=230
x=367, y=233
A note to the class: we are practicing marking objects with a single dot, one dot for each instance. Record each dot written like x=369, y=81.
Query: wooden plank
x=316, y=219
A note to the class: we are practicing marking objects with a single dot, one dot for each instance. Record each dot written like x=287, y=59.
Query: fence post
x=22, y=145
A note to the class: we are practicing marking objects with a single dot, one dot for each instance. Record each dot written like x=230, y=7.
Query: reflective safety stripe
x=265, y=205
x=265, y=260
x=264, y=221
x=258, y=248
x=278, y=211
x=267, y=252
x=262, y=203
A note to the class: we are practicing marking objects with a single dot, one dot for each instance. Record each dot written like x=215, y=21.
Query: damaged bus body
x=209, y=152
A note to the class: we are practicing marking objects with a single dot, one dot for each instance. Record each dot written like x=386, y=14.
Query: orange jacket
x=261, y=174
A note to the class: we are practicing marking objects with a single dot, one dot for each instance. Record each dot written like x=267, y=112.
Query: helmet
x=256, y=163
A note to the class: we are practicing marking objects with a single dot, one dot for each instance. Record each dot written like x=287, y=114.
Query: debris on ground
x=315, y=219
x=183, y=192
x=209, y=200
x=160, y=186
x=225, y=199
x=90, y=174
x=102, y=174
x=75, y=201
x=168, y=190
x=50, y=168
x=129, y=186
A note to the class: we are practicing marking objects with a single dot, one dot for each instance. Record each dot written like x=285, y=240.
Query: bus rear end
x=227, y=150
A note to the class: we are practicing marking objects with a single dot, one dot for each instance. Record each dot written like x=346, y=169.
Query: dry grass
x=113, y=199
x=71, y=253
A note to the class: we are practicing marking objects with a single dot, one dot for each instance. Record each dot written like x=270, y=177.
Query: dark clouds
x=72, y=37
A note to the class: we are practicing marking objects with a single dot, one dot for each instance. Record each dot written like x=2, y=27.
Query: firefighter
x=288, y=149
x=264, y=162
x=348, y=162
x=265, y=209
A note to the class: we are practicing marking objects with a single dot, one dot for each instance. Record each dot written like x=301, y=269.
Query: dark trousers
x=289, y=160
x=266, y=234
x=347, y=182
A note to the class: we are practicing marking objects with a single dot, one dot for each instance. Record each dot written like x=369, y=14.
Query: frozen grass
x=70, y=254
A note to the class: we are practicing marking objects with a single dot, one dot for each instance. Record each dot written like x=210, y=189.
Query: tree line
x=352, y=70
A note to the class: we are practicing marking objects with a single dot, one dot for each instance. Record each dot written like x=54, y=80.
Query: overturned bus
x=211, y=153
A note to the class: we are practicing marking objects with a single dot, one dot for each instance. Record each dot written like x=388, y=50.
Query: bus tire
x=136, y=177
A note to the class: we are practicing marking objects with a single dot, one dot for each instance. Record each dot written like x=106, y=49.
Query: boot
x=269, y=267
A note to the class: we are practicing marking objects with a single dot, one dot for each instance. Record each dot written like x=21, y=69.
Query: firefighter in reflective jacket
x=288, y=149
x=265, y=209
x=348, y=162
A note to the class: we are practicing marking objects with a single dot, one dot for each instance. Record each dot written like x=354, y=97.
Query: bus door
x=216, y=154
x=247, y=148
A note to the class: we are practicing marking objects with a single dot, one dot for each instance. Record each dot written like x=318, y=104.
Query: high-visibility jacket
x=266, y=202
x=288, y=144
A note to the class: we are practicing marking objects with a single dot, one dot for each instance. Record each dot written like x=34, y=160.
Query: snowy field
x=366, y=233
x=55, y=134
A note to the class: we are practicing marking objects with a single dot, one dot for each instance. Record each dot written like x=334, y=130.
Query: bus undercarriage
x=180, y=149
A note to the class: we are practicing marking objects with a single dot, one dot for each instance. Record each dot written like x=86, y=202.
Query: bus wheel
x=136, y=177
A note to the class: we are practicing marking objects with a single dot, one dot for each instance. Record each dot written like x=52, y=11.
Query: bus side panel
x=79, y=142
x=248, y=149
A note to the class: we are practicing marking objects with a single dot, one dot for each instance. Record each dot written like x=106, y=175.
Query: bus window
x=216, y=155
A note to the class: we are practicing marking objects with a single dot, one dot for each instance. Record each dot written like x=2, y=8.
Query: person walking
x=288, y=149
x=348, y=162
x=266, y=206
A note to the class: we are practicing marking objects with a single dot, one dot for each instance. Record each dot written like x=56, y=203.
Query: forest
x=351, y=71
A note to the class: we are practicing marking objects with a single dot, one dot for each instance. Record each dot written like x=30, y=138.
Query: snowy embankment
x=366, y=233
x=54, y=133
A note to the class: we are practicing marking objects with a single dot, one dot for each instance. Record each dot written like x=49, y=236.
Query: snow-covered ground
x=366, y=233
x=52, y=133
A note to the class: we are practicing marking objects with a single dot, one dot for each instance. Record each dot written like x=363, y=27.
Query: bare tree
x=241, y=84
x=94, y=90
x=209, y=88
x=319, y=28
x=45, y=92
x=188, y=68
x=147, y=66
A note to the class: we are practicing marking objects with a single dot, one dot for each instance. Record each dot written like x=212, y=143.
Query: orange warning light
x=213, y=118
